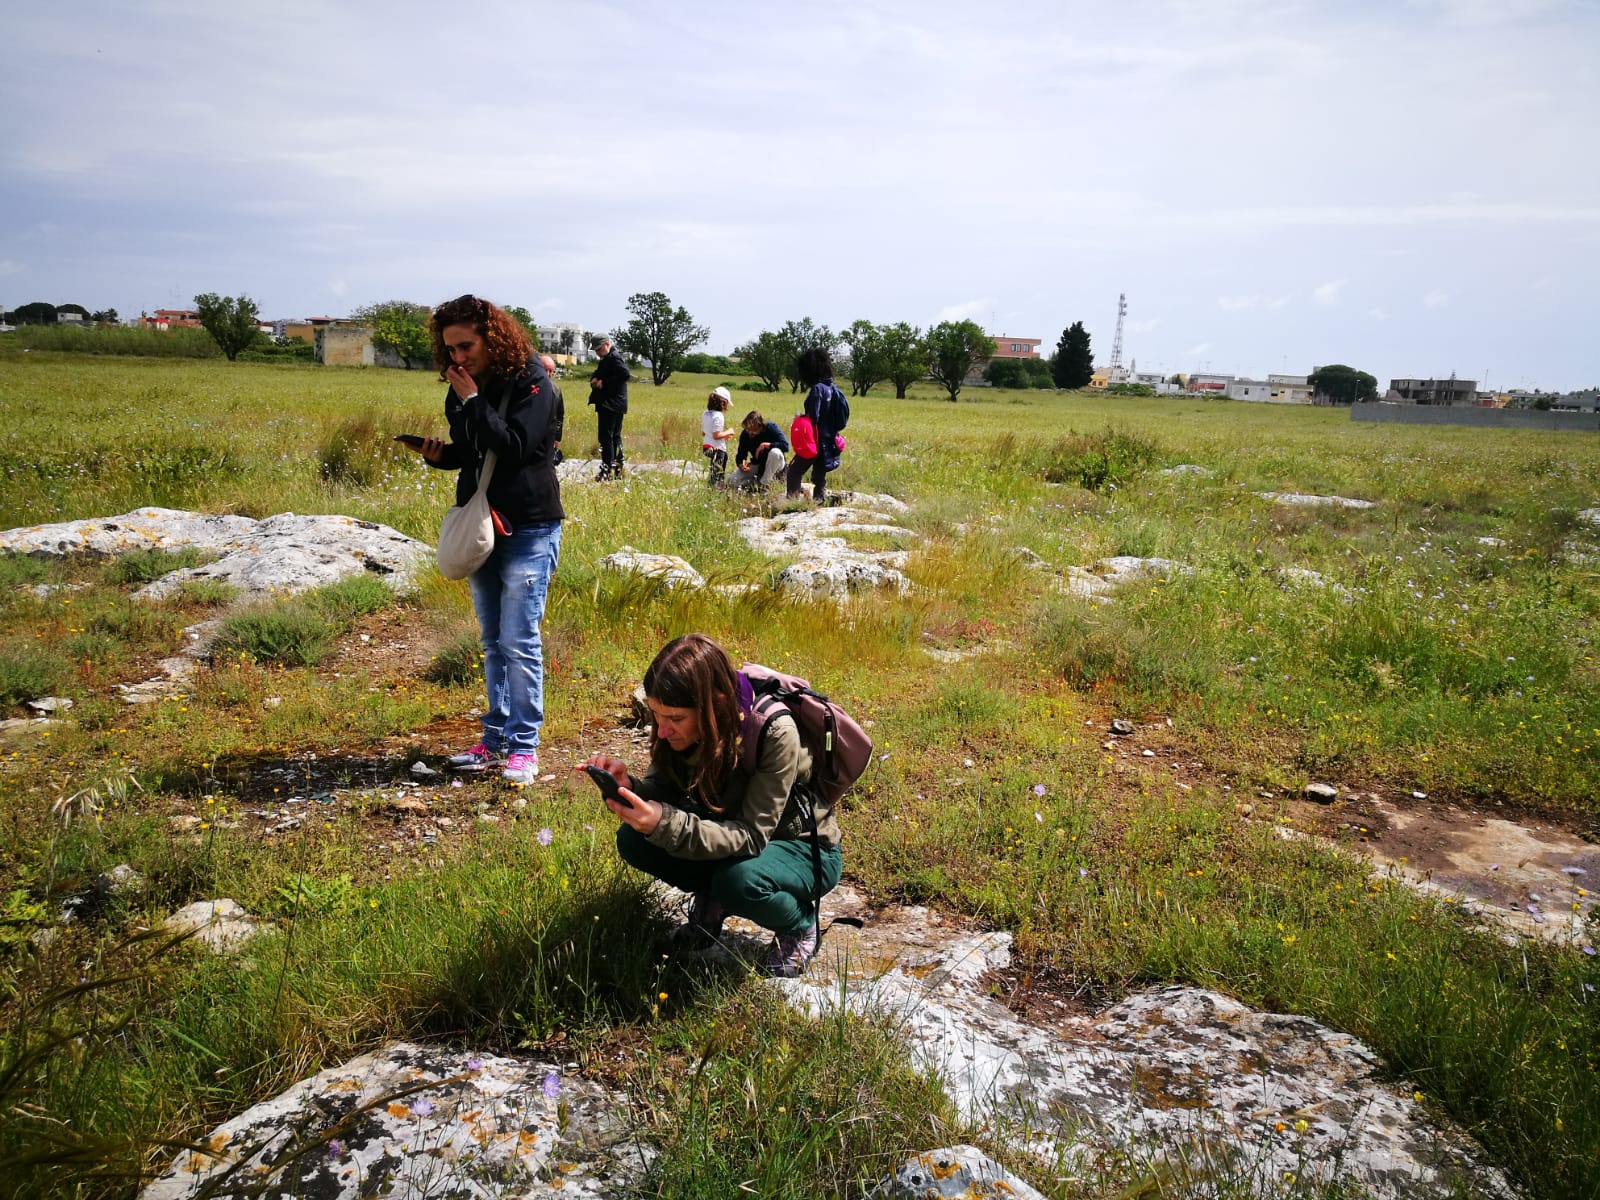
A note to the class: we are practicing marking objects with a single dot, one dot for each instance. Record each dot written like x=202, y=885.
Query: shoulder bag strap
x=487, y=473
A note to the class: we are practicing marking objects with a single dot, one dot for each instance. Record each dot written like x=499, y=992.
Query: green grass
x=1411, y=667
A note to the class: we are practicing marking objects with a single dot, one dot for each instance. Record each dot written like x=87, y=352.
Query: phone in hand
x=607, y=783
x=409, y=439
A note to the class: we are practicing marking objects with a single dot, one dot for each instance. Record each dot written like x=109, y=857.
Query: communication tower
x=1116, y=342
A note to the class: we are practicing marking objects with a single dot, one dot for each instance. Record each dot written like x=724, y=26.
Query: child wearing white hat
x=714, y=432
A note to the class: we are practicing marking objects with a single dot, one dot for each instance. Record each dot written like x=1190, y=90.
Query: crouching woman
x=735, y=837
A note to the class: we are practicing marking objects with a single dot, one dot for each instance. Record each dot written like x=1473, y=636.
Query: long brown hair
x=507, y=339
x=694, y=672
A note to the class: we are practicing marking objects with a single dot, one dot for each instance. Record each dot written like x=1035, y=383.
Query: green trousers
x=774, y=889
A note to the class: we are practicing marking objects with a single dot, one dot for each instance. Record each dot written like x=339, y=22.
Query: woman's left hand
x=643, y=815
x=460, y=382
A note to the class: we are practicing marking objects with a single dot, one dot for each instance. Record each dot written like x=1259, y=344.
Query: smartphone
x=608, y=785
x=409, y=439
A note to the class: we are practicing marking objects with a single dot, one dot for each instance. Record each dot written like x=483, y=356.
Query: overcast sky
x=1408, y=186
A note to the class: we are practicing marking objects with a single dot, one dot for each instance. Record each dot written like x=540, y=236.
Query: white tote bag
x=466, y=537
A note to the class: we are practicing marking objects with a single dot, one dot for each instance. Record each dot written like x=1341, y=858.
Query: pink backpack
x=803, y=437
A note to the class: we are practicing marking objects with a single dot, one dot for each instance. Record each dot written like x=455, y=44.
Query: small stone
x=1149, y=753
x=1419, y=795
x=184, y=823
x=1122, y=728
x=1246, y=809
x=45, y=705
x=444, y=822
x=407, y=804
x=1322, y=793
x=519, y=803
x=121, y=880
x=966, y=762
x=421, y=770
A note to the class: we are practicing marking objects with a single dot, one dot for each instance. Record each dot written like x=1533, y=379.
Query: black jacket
x=524, y=489
x=769, y=433
x=612, y=394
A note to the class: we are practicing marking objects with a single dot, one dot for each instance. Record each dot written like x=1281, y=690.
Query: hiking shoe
x=522, y=767
x=479, y=758
x=789, y=953
x=704, y=926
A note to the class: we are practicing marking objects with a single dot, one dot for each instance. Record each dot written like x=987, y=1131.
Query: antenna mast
x=1116, y=342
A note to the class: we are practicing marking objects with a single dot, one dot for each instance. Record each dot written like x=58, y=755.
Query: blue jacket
x=819, y=407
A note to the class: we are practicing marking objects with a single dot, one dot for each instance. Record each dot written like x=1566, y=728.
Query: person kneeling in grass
x=736, y=838
x=761, y=449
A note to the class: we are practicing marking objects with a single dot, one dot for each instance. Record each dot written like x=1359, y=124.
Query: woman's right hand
x=431, y=449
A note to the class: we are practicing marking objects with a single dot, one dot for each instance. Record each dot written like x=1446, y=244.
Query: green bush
x=460, y=661
x=213, y=593
x=342, y=602
x=291, y=634
x=1098, y=461
x=354, y=452
x=144, y=566
x=143, y=343
x=27, y=672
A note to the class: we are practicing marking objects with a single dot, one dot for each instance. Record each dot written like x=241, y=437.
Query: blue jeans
x=509, y=593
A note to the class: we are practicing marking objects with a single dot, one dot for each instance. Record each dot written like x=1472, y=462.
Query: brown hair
x=753, y=415
x=694, y=672
x=507, y=340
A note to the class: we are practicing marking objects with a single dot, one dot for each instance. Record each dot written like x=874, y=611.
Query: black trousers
x=797, y=473
x=611, y=440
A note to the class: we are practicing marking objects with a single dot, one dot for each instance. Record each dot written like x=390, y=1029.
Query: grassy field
x=1428, y=658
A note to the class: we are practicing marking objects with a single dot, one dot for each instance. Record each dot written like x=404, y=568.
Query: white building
x=565, y=337
x=1258, y=390
x=1290, y=389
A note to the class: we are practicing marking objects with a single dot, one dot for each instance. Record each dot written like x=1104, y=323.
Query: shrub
x=460, y=661
x=291, y=634
x=143, y=343
x=211, y=593
x=27, y=672
x=143, y=566
x=1098, y=460
x=354, y=452
x=342, y=602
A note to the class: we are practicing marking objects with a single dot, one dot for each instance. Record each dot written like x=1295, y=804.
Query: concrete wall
x=1482, y=418
x=344, y=346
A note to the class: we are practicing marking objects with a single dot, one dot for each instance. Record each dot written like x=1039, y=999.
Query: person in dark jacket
x=558, y=418
x=501, y=399
x=734, y=836
x=760, y=459
x=816, y=375
x=608, y=392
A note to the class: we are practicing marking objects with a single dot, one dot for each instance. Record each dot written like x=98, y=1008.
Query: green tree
x=904, y=355
x=105, y=316
x=1074, y=359
x=1339, y=384
x=798, y=337
x=954, y=348
x=658, y=333
x=866, y=356
x=525, y=318
x=764, y=357
x=232, y=322
x=401, y=328
x=37, y=313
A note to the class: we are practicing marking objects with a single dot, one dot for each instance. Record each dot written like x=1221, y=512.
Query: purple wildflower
x=1573, y=871
x=422, y=1107
x=335, y=1148
x=474, y=1063
x=552, y=1085
x=1038, y=789
x=1494, y=866
x=1590, y=951
x=546, y=837
x=1533, y=908
x=1083, y=872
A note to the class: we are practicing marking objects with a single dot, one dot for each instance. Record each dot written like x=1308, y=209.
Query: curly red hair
x=507, y=339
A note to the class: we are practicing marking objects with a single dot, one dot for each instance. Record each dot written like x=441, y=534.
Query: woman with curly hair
x=501, y=399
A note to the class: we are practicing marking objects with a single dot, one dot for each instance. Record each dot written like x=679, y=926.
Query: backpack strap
x=768, y=705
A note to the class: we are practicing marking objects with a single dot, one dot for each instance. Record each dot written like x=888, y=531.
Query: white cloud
x=1328, y=293
x=1237, y=303
x=1378, y=314
x=1280, y=302
x=1436, y=299
x=11, y=267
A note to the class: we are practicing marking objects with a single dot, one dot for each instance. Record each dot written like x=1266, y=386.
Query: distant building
x=1209, y=383
x=1257, y=390
x=1434, y=391
x=1290, y=389
x=170, y=318
x=1016, y=347
x=566, y=338
x=344, y=346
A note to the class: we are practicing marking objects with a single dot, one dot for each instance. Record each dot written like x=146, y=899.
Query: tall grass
x=144, y=343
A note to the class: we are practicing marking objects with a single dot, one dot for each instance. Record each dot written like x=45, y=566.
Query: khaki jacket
x=757, y=807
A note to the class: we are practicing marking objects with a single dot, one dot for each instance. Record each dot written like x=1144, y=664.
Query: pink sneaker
x=522, y=768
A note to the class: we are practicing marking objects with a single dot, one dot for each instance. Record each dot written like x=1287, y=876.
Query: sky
x=1411, y=187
